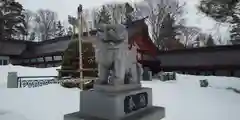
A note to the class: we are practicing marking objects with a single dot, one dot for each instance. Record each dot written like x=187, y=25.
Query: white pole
x=80, y=44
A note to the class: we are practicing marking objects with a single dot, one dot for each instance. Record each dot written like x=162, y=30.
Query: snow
x=9, y=115
x=49, y=102
x=183, y=99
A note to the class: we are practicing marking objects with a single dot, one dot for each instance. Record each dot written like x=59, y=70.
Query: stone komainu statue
x=112, y=53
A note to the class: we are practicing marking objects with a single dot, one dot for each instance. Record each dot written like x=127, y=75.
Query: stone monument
x=122, y=97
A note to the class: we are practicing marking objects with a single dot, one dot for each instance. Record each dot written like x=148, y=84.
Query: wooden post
x=80, y=30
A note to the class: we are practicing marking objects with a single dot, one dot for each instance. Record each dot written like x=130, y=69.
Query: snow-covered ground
x=183, y=99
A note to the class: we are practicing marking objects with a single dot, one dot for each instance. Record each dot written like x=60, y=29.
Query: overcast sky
x=64, y=7
x=68, y=7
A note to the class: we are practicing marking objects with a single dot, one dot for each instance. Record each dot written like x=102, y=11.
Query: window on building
x=57, y=57
x=26, y=60
x=4, y=62
x=16, y=61
x=48, y=58
x=49, y=65
x=41, y=65
x=40, y=59
x=33, y=60
x=32, y=65
x=57, y=64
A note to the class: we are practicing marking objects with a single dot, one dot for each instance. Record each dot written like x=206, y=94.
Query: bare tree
x=203, y=39
x=73, y=21
x=46, y=23
x=86, y=16
x=189, y=35
x=141, y=10
x=117, y=12
x=217, y=28
x=157, y=14
x=94, y=14
x=28, y=17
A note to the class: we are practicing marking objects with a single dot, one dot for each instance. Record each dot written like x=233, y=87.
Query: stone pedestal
x=114, y=105
x=119, y=88
x=131, y=104
x=152, y=113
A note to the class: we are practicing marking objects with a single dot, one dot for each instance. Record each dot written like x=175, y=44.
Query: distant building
x=235, y=42
x=217, y=60
x=36, y=54
x=49, y=53
x=4, y=60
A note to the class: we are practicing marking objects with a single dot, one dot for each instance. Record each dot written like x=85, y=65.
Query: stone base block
x=152, y=113
x=111, y=88
x=115, y=105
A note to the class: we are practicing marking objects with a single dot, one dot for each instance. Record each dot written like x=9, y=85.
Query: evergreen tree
x=210, y=41
x=60, y=29
x=167, y=30
x=224, y=11
x=104, y=15
x=11, y=19
x=32, y=36
x=220, y=10
x=70, y=31
x=128, y=14
x=235, y=31
x=197, y=42
x=235, y=34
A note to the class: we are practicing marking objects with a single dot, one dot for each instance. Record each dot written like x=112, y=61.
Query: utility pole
x=80, y=31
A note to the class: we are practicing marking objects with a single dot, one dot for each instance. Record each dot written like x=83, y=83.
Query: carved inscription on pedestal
x=135, y=102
